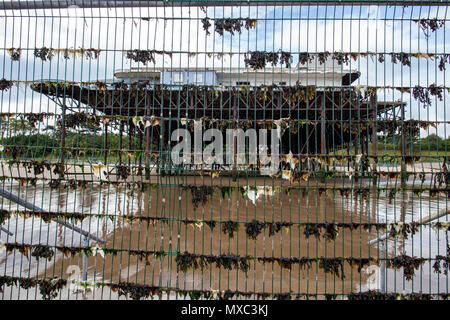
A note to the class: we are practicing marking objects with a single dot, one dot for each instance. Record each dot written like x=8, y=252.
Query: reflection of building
x=321, y=96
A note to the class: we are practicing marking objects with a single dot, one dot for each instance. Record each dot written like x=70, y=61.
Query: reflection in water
x=172, y=206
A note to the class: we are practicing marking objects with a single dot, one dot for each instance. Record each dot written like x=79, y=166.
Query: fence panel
x=224, y=150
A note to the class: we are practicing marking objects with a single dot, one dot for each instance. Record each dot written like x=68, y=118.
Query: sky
x=180, y=31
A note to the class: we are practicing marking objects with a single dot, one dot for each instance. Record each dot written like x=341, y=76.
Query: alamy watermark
x=239, y=147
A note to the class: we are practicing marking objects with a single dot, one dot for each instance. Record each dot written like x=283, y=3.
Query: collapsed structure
x=319, y=103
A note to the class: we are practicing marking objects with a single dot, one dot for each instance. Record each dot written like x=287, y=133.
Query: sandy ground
x=171, y=201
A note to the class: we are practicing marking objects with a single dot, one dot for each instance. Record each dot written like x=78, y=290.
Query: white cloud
x=360, y=29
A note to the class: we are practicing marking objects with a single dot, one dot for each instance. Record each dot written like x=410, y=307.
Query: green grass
x=77, y=146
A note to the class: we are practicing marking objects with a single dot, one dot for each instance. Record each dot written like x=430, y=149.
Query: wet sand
x=172, y=202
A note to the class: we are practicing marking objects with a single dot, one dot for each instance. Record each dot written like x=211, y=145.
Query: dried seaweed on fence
x=409, y=160
x=54, y=183
x=429, y=24
x=312, y=229
x=199, y=194
x=445, y=260
x=259, y=59
x=4, y=215
x=47, y=216
x=44, y=53
x=445, y=226
x=42, y=252
x=254, y=228
x=230, y=25
x=330, y=230
x=275, y=227
x=210, y=223
x=344, y=57
x=285, y=58
x=230, y=227
x=186, y=261
x=287, y=263
x=5, y=84
x=227, y=24
x=143, y=56
x=136, y=291
x=34, y=118
x=13, y=152
x=305, y=58
x=323, y=56
x=46, y=251
x=378, y=295
x=422, y=94
x=333, y=265
x=327, y=230
x=206, y=25
x=341, y=58
x=226, y=191
x=14, y=53
x=256, y=60
x=359, y=262
x=80, y=119
x=442, y=178
x=90, y=53
x=230, y=262
x=37, y=166
x=403, y=229
x=404, y=58
x=139, y=291
x=250, y=23
x=408, y=263
x=49, y=288
x=58, y=168
x=444, y=59
x=123, y=171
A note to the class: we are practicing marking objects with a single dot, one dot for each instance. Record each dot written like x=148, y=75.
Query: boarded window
x=198, y=77
x=177, y=77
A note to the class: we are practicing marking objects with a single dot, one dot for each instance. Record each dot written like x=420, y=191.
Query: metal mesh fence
x=223, y=150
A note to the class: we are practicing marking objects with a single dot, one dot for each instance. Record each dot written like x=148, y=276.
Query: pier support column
x=323, y=146
x=105, y=143
x=373, y=109
x=148, y=137
x=120, y=141
x=163, y=142
x=403, y=168
x=403, y=148
x=63, y=138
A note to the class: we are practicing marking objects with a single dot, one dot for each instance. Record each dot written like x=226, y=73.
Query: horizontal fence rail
x=224, y=150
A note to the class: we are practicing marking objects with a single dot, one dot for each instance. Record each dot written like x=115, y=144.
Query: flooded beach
x=250, y=236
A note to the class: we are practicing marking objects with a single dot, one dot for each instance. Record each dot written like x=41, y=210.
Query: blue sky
x=293, y=29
